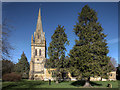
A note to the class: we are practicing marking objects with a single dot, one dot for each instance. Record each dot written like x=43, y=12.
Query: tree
x=118, y=72
x=113, y=61
x=56, y=51
x=22, y=66
x=6, y=46
x=89, y=57
x=7, y=66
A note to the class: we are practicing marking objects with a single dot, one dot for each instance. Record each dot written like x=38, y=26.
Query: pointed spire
x=39, y=23
x=39, y=34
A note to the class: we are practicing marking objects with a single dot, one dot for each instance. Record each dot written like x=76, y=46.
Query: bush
x=7, y=67
x=11, y=77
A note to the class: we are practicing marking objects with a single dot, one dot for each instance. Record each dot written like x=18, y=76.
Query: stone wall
x=112, y=75
x=48, y=74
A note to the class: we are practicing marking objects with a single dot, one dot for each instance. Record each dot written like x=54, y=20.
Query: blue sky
x=23, y=16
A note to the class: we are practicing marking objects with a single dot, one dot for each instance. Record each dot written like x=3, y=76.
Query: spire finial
x=39, y=15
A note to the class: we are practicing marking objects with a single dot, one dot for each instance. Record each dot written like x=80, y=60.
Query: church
x=38, y=57
x=38, y=53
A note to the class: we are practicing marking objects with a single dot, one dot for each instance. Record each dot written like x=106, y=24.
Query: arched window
x=39, y=52
x=35, y=52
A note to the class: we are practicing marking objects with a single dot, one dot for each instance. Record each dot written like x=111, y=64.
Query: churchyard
x=66, y=84
x=49, y=65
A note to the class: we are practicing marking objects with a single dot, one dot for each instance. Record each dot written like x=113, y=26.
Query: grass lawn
x=44, y=84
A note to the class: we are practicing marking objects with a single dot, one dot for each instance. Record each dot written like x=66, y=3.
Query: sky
x=23, y=17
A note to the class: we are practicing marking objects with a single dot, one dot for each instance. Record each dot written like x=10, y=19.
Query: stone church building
x=38, y=52
x=38, y=57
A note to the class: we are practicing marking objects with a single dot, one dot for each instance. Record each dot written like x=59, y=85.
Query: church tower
x=38, y=51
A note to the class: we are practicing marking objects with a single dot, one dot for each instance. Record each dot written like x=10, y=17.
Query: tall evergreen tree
x=22, y=66
x=89, y=54
x=56, y=50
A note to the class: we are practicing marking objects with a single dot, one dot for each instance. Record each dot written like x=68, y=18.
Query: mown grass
x=44, y=84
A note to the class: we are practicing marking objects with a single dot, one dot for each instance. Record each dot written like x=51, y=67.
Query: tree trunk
x=101, y=78
x=87, y=83
x=57, y=80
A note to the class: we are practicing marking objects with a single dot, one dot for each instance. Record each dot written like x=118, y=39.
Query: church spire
x=39, y=34
x=39, y=23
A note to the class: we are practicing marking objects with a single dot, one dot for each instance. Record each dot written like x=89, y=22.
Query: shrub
x=7, y=67
x=11, y=77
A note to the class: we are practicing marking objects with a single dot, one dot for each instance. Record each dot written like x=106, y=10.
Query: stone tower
x=38, y=51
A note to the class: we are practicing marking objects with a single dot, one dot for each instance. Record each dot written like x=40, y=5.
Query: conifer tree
x=56, y=50
x=22, y=66
x=89, y=54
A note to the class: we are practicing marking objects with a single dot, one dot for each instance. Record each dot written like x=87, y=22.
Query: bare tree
x=5, y=44
x=113, y=61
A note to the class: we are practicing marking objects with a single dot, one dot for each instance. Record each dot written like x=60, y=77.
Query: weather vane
x=40, y=5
